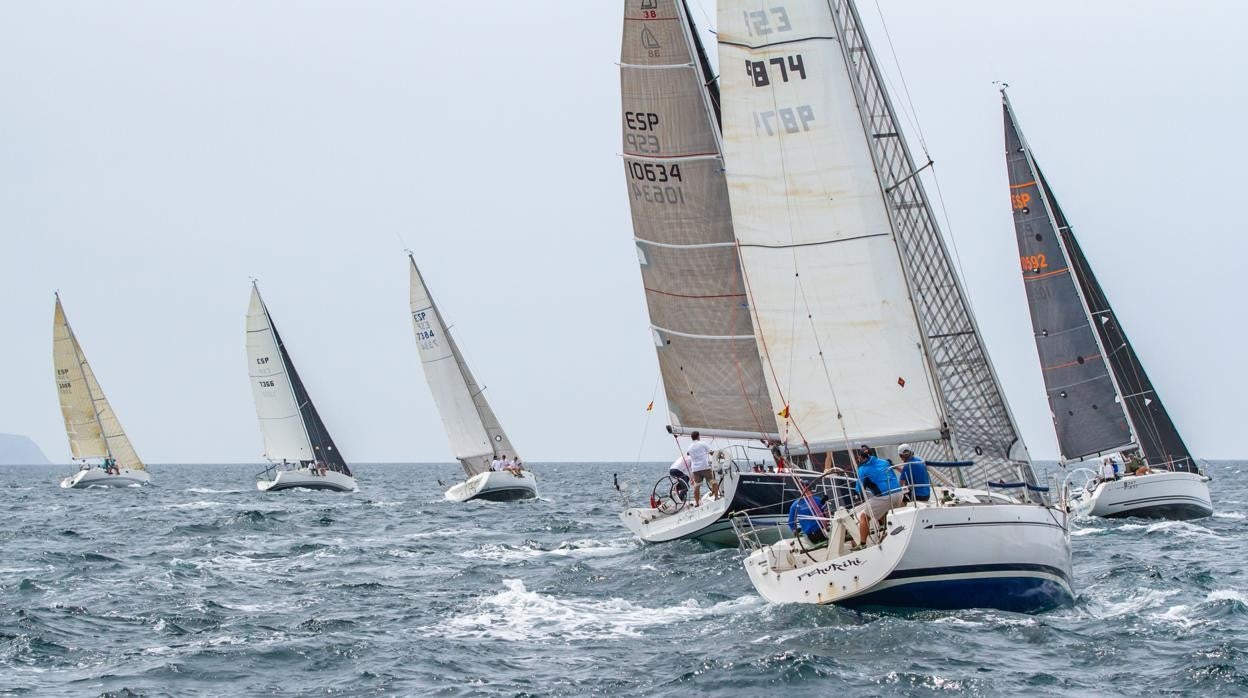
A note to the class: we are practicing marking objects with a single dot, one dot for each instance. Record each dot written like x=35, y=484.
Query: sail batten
x=474, y=432
x=699, y=314
x=90, y=422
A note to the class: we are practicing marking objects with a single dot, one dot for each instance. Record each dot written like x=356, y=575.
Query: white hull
x=306, y=479
x=496, y=486
x=96, y=477
x=1013, y=557
x=1165, y=495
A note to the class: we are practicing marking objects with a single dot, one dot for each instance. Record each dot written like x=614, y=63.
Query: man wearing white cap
x=914, y=474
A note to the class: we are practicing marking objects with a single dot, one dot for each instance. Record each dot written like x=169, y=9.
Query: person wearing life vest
x=914, y=474
x=878, y=483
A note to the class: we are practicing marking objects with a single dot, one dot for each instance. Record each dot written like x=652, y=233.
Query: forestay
x=292, y=428
x=1101, y=398
x=830, y=298
x=90, y=423
x=682, y=226
x=474, y=432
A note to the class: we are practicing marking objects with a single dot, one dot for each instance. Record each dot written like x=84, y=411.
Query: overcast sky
x=155, y=156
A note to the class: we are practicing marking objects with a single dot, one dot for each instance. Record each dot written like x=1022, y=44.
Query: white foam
x=515, y=613
x=1234, y=515
x=1150, y=598
x=1227, y=595
x=206, y=490
x=194, y=505
x=578, y=548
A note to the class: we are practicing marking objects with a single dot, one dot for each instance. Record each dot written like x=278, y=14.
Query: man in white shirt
x=496, y=464
x=679, y=471
x=700, y=463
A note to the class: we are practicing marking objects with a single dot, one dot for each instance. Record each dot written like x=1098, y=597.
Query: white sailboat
x=866, y=330
x=297, y=445
x=476, y=436
x=90, y=423
x=713, y=376
x=1104, y=405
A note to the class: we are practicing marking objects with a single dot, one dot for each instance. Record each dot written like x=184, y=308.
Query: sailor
x=497, y=464
x=700, y=463
x=680, y=472
x=914, y=474
x=513, y=467
x=808, y=519
x=778, y=457
x=879, y=485
x=1107, y=470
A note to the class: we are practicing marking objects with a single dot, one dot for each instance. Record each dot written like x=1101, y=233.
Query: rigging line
x=901, y=74
x=649, y=413
x=827, y=374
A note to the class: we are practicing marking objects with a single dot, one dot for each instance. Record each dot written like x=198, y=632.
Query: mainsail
x=291, y=426
x=90, y=423
x=474, y=432
x=699, y=316
x=1101, y=398
x=857, y=306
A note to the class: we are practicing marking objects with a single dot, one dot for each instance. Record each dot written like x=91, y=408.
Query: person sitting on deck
x=514, y=467
x=879, y=485
x=914, y=474
x=809, y=520
x=1136, y=465
x=497, y=464
x=679, y=472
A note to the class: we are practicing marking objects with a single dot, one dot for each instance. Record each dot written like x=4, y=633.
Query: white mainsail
x=832, y=308
x=90, y=423
x=281, y=423
x=474, y=432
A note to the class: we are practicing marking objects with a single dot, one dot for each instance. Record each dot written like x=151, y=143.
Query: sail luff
x=456, y=394
x=278, y=409
x=682, y=227
x=1084, y=397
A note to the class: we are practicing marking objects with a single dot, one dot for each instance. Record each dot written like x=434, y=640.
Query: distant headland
x=16, y=449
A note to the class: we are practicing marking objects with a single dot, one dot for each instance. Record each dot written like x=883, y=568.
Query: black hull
x=330, y=488
x=510, y=494
x=1173, y=512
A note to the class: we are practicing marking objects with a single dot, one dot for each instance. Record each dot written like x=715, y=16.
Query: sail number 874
x=788, y=119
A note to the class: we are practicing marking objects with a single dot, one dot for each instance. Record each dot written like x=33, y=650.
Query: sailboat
x=1102, y=401
x=712, y=373
x=299, y=449
x=865, y=329
x=476, y=437
x=90, y=423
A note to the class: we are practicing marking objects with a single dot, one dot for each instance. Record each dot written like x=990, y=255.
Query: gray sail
x=696, y=296
x=981, y=426
x=1062, y=288
x=1087, y=414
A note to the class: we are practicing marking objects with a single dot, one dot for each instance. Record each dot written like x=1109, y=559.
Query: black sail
x=322, y=444
x=1155, y=432
x=1087, y=415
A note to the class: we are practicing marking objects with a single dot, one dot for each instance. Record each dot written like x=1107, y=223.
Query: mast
x=1114, y=372
x=700, y=317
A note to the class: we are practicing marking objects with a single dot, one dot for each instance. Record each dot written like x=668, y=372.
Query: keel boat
x=299, y=449
x=865, y=330
x=1105, y=409
x=477, y=438
x=92, y=427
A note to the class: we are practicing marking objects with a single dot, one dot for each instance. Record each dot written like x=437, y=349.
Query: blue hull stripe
x=975, y=569
x=1020, y=594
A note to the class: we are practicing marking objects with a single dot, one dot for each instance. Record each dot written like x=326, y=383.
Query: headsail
x=1101, y=398
x=682, y=226
x=474, y=432
x=90, y=423
x=829, y=292
x=292, y=428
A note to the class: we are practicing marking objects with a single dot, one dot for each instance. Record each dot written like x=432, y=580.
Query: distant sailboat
x=296, y=443
x=90, y=423
x=1102, y=401
x=866, y=331
x=476, y=436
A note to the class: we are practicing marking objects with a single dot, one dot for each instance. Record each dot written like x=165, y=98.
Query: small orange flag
x=784, y=413
x=650, y=406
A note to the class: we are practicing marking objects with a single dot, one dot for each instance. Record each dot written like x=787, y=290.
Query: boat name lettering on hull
x=831, y=567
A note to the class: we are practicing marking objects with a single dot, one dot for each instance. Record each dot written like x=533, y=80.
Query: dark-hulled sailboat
x=1104, y=406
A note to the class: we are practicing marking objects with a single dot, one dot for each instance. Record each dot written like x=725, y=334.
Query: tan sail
x=90, y=423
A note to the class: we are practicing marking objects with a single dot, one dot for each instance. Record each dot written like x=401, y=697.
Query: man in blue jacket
x=808, y=519
x=878, y=483
x=914, y=474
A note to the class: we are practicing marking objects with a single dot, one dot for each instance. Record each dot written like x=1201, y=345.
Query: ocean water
x=201, y=585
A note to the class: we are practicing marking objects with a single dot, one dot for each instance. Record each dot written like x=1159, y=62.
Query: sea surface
x=201, y=585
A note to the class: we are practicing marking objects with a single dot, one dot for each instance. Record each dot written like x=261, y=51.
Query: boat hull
x=1165, y=495
x=96, y=477
x=764, y=497
x=495, y=486
x=1012, y=557
x=304, y=478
